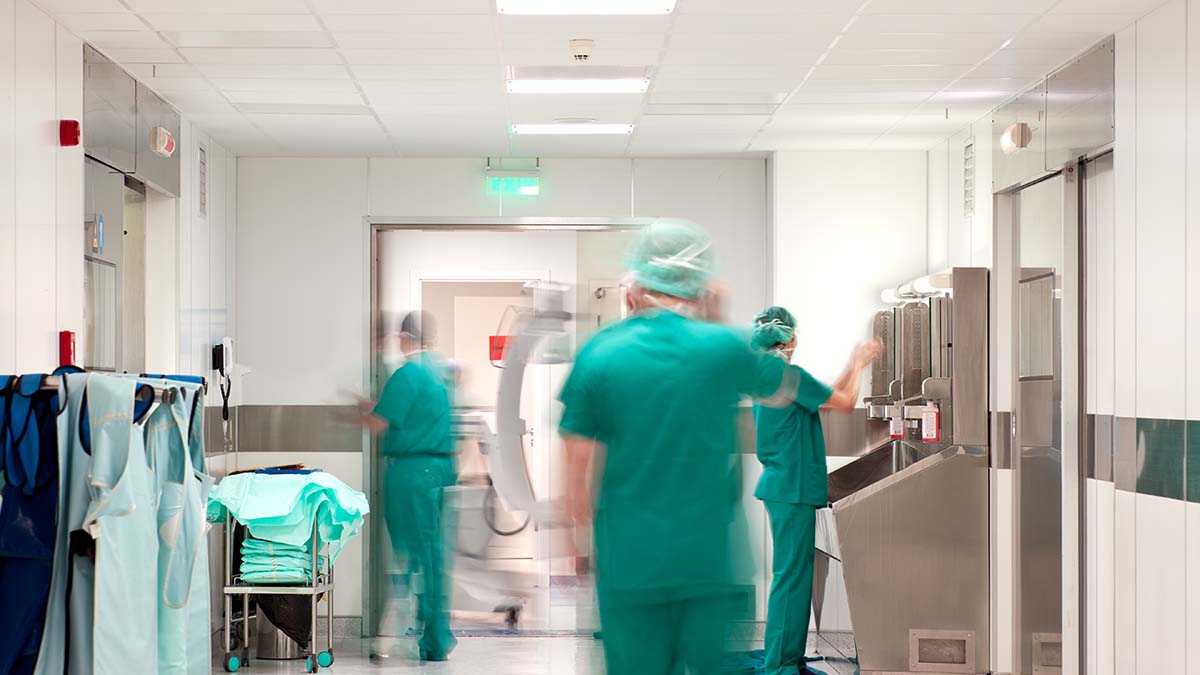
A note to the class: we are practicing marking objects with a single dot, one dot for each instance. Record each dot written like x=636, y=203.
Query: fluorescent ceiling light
x=571, y=128
x=585, y=86
x=585, y=7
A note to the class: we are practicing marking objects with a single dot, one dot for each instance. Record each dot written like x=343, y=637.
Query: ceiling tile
x=846, y=7
x=931, y=72
x=1033, y=57
x=718, y=98
x=358, y=109
x=223, y=22
x=778, y=41
x=1047, y=40
x=925, y=40
x=78, y=6
x=1107, y=6
x=402, y=41
x=88, y=22
x=465, y=87
x=261, y=84
x=296, y=96
x=701, y=124
x=569, y=146
x=725, y=72
x=345, y=135
x=432, y=101
x=429, y=72
x=806, y=95
x=690, y=145
x=809, y=141
x=406, y=7
x=959, y=6
x=1010, y=70
x=444, y=57
x=220, y=6
x=124, y=38
x=747, y=55
x=1082, y=23
x=473, y=26
x=669, y=85
x=866, y=85
x=281, y=71
x=124, y=56
x=763, y=23
x=582, y=26
x=605, y=42
x=289, y=57
x=249, y=38
x=942, y=23
x=898, y=57
x=548, y=108
x=199, y=102
x=1010, y=85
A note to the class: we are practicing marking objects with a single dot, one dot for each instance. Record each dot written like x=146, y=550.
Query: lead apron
x=123, y=520
x=183, y=599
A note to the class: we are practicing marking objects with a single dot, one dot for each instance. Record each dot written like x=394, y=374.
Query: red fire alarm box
x=68, y=133
x=496, y=347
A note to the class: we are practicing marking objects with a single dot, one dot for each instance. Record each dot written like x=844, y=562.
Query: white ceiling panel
x=902, y=57
x=764, y=23
x=925, y=40
x=393, y=88
x=403, y=40
x=419, y=57
x=559, y=43
x=578, y=146
x=1107, y=6
x=431, y=102
x=810, y=141
x=538, y=108
x=583, y=26
x=1033, y=57
x=690, y=145
x=958, y=6
x=273, y=71
x=1082, y=23
x=356, y=109
x=138, y=39
x=942, y=23
x=451, y=145
x=725, y=7
x=202, y=102
x=769, y=99
x=778, y=41
x=748, y=55
x=467, y=25
x=283, y=57
x=87, y=22
x=427, y=72
x=702, y=124
x=261, y=84
x=220, y=6
x=732, y=72
x=668, y=85
x=249, y=38
x=1010, y=70
x=866, y=85
x=1008, y=84
x=349, y=135
x=806, y=95
x=405, y=7
x=164, y=55
x=296, y=96
x=929, y=72
x=77, y=6
x=603, y=57
x=222, y=22
x=971, y=99
x=1058, y=40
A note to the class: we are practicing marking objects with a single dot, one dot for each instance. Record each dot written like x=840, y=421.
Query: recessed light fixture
x=571, y=128
x=585, y=7
x=584, y=86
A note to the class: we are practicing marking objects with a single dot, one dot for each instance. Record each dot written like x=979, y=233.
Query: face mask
x=784, y=353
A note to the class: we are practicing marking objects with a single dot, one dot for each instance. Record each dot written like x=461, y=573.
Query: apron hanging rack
x=144, y=392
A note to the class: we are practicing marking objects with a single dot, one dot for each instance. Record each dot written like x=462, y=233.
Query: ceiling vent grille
x=202, y=176
x=969, y=179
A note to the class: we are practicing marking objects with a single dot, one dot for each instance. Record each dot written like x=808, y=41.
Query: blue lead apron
x=28, y=508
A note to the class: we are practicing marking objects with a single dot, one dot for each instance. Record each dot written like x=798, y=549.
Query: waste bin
x=274, y=644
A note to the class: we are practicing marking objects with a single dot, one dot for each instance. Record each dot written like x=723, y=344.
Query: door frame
x=374, y=225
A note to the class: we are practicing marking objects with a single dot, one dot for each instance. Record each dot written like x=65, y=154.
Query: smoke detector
x=581, y=49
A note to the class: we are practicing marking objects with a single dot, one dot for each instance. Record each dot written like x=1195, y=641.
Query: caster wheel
x=310, y=665
x=232, y=664
x=325, y=659
x=512, y=616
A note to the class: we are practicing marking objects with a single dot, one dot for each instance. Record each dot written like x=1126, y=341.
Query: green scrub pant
x=793, y=529
x=422, y=530
x=666, y=638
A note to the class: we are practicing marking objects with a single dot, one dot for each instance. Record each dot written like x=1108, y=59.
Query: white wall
x=41, y=188
x=847, y=226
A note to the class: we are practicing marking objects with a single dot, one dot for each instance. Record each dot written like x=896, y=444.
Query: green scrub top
x=791, y=447
x=416, y=404
x=660, y=391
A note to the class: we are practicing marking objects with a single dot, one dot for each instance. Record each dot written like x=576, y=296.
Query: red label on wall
x=496, y=347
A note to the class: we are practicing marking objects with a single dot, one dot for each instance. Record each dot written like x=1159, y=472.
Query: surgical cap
x=671, y=257
x=420, y=326
x=773, y=326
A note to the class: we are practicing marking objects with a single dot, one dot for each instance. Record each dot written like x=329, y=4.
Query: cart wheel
x=310, y=665
x=325, y=659
x=232, y=663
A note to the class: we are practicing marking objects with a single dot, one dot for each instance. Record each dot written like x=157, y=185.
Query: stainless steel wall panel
x=1002, y=436
x=1125, y=453
x=109, y=112
x=1102, y=442
x=1080, y=112
x=1029, y=163
x=104, y=222
x=298, y=428
x=151, y=168
x=970, y=360
x=1161, y=446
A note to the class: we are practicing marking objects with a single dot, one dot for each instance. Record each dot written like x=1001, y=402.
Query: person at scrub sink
x=652, y=404
x=413, y=415
x=794, y=484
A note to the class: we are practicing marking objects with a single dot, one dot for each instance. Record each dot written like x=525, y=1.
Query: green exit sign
x=515, y=185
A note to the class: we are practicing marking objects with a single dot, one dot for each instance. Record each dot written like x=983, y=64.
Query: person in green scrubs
x=413, y=415
x=650, y=417
x=794, y=484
